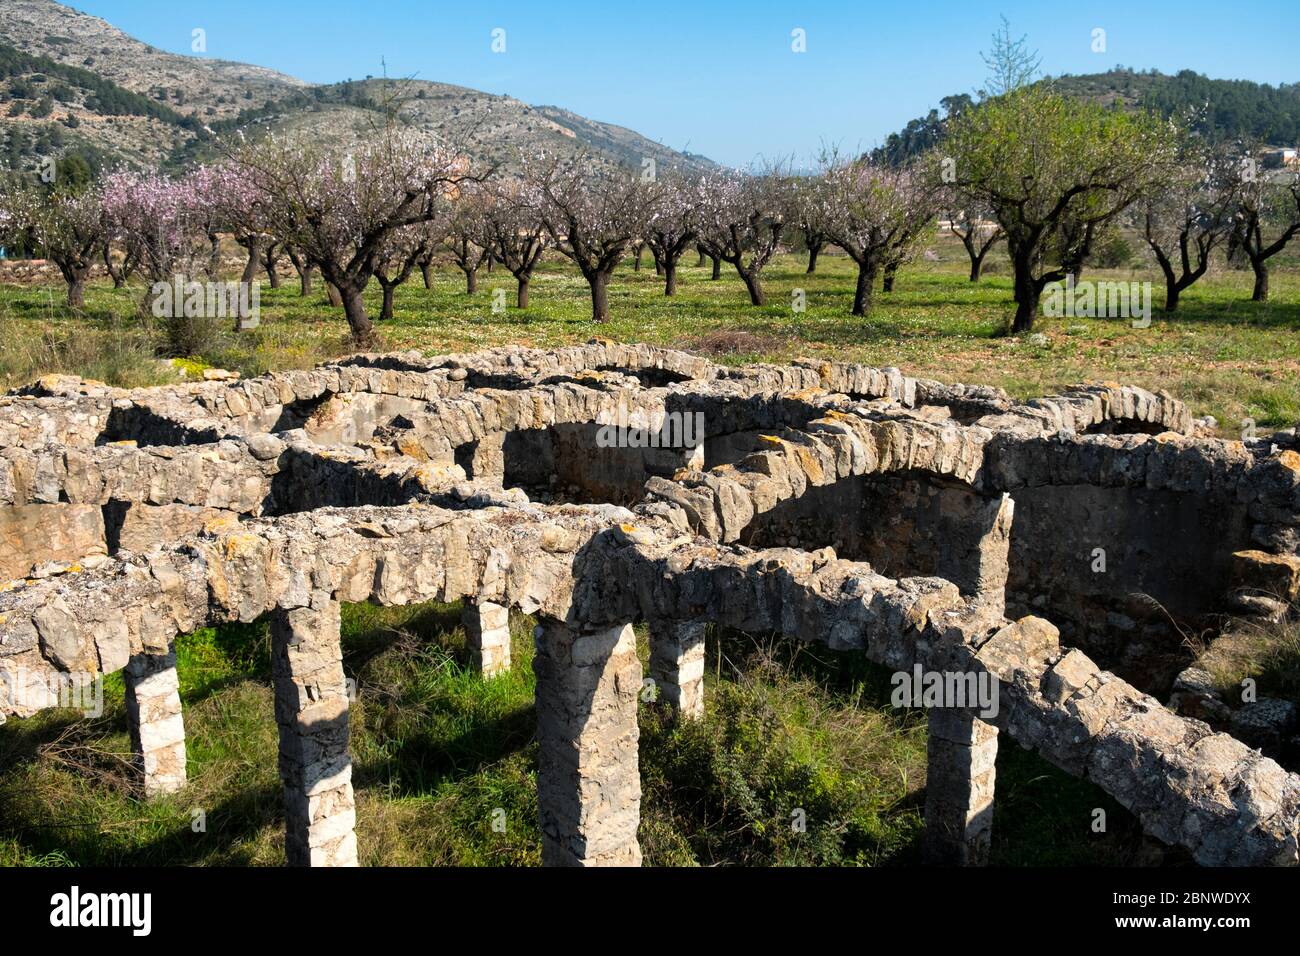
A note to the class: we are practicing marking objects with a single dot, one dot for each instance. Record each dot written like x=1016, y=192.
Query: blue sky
x=720, y=78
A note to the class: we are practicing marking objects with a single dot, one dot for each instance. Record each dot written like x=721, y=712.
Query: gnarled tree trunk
x=354, y=307
x=754, y=285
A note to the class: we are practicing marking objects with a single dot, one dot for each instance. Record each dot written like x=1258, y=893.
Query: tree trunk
x=891, y=270
x=77, y=288
x=700, y=250
x=636, y=267
x=354, y=307
x=659, y=263
x=491, y=261
x=1260, y=293
x=862, y=293
x=717, y=268
x=426, y=270
x=813, y=251
x=271, y=260
x=670, y=278
x=754, y=286
x=304, y=280
x=1027, y=293
x=336, y=297
x=521, y=298
x=253, y=263
x=471, y=281
x=977, y=265
x=599, y=296
x=214, y=258
x=386, y=311
x=1026, y=309
x=1172, y=288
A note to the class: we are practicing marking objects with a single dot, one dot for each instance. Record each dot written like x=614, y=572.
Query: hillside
x=70, y=82
x=1221, y=109
x=208, y=88
x=494, y=129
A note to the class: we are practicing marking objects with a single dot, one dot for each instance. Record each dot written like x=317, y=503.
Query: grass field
x=438, y=751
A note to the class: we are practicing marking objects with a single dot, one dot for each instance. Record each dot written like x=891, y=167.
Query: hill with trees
x=1220, y=109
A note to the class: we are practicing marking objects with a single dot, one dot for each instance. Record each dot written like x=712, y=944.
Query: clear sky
x=721, y=78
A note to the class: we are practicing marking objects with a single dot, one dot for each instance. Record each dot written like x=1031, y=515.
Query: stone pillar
x=588, y=779
x=484, y=460
x=677, y=666
x=153, y=713
x=311, y=707
x=976, y=536
x=487, y=635
x=962, y=750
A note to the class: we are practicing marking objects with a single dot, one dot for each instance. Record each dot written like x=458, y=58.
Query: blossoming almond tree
x=465, y=236
x=671, y=225
x=971, y=222
x=741, y=218
x=1267, y=218
x=161, y=220
x=338, y=206
x=232, y=202
x=1190, y=215
x=873, y=212
x=68, y=225
x=592, y=214
x=513, y=230
x=398, y=255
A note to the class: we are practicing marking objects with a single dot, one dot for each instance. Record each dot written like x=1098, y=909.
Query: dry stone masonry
x=1054, y=547
x=153, y=710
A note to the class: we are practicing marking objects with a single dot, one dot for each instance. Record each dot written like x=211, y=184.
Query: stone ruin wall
x=921, y=523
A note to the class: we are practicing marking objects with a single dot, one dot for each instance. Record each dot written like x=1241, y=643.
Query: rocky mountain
x=70, y=82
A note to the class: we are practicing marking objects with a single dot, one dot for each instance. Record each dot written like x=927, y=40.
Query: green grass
x=1220, y=352
x=441, y=754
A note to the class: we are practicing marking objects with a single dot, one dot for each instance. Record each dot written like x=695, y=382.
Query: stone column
x=311, y=707
x=677, y=666
x=962, y=750
x=487, y=635
x=588, y=779
x=976, y=537
x=153, y=712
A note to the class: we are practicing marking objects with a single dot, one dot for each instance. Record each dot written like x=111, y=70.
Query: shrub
x=1112, y=252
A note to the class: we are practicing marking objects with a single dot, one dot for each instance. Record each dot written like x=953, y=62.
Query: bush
x=194, y=336
x=1112, y=252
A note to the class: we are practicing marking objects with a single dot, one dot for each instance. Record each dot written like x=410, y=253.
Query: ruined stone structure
x=1053, y=546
